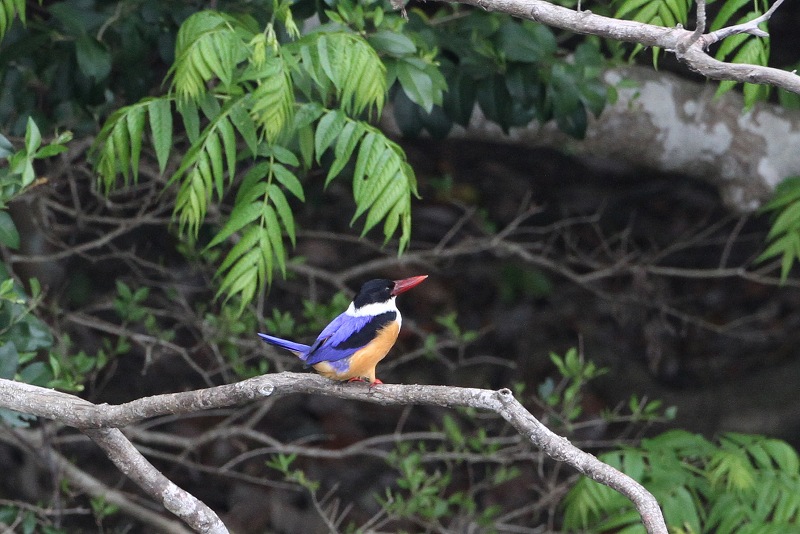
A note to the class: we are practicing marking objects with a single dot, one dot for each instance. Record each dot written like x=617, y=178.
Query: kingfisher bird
x=351, y=346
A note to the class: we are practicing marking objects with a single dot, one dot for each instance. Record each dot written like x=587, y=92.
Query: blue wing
x=331, y=345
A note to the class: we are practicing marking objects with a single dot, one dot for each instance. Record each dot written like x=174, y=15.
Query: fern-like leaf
x=383, y=183
x=202, y=170
x=342, y=65
x=349, y=137
x=208, y=46
x=273, y=100
x=118, y=146
x=261, y=207
x=160, y=113
x=784, y=235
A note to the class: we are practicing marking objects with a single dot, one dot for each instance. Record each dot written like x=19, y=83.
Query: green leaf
x=788, y=220
x=253, y=185
x=6, y=148
x=288, y=180
x=209, y=45
x=33, y=139
x=523, y=42
x=160, y=112
x=726, y=12
x=630, y=6
x=9, y=360
x=392, y=43
x=275, y=238
x=345, y=64
x=94, y=59
x=391, y=197
x=8, y=10
x=324, y=60
x=284, y=155
x=202, y=170
x=250, y=238
x=349, y=137
x=49, y=151
x=228, y=137
x=246, y=127
x=241, y=216
x=191, y=119
x=282, y=207
x=135, y=125
x=417, y=84
x=9, y=236
x=784, y=455
x=273, y=100
x=328, y=129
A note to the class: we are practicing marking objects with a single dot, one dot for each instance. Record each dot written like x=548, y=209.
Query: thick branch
x=100, y=422
x=670, y=39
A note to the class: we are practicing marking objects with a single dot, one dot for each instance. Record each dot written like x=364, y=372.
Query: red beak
x=407, y=283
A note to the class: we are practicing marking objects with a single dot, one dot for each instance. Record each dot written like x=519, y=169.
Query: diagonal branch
x=136, y=467
x=670, y=39
x=101, y=423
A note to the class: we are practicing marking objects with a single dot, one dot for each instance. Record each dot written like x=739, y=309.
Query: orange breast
x=363, y=362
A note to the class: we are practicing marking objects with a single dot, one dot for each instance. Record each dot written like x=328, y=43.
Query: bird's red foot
x=372, y=384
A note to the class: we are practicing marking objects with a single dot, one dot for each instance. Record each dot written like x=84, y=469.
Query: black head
x=381, y=290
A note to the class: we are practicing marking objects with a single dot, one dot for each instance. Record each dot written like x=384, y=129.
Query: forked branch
x=684, y=43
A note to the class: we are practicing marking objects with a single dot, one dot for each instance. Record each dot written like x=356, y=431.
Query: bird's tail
x=297, y=348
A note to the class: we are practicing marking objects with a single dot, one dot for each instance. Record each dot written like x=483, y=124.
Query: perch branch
x=101, y=423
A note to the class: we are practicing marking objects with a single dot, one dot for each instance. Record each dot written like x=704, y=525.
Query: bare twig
x=751, y=27
x=100, y=422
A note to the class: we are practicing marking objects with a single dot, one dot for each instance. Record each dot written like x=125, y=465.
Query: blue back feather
x=342, y=338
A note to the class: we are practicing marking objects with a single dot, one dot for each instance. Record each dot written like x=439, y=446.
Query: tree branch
x=671, y=39
x=81, y=479
x=100, y=422
x=136, y=467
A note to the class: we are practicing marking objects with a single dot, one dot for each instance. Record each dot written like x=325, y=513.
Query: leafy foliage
x=784, y=235
x=745, y=483
x=19, y=174
x=428, y=493
x=289, y=103
x=512, y=69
